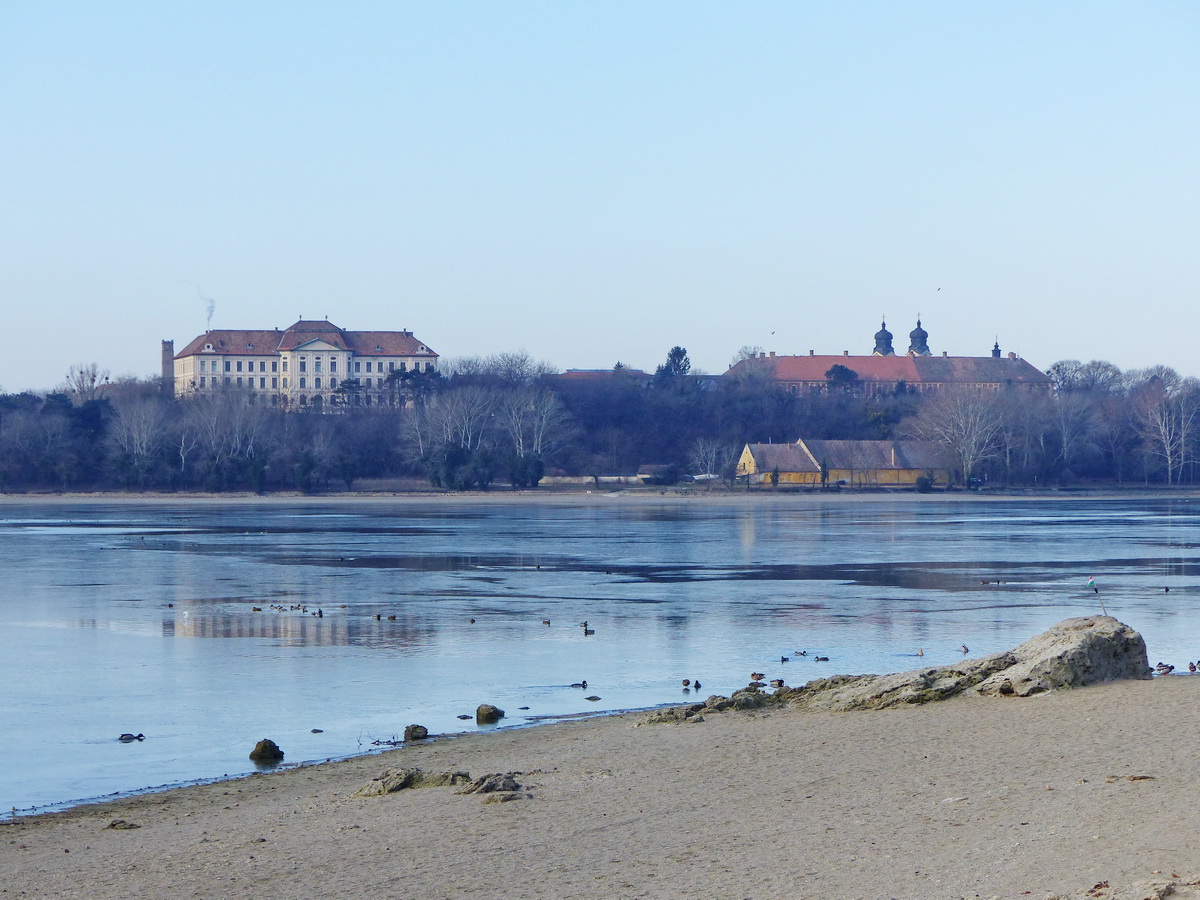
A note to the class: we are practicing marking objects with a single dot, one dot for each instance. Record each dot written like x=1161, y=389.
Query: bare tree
x=138, y=433
x=1167, y=413
x=462, y=417
x=228, y=430
x=509, y=369
x=84, y=381
x=966, y=421
x=534, y=420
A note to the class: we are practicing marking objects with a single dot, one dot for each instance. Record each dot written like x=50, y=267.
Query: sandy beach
x=1081, y=793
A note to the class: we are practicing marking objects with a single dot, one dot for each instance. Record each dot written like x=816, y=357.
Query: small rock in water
x=318, y=730
x=464, y=716
x=416, y=733
x=592, y=698
x=486, y=714
x=266, y=751
x=522, y=707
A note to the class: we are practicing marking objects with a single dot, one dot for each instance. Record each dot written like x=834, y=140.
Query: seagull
x=920, y=651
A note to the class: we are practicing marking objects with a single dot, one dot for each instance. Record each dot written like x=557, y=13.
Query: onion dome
x=918, y=341
x=883, y=342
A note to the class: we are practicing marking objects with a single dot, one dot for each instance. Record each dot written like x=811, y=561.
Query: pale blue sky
x=594, y=182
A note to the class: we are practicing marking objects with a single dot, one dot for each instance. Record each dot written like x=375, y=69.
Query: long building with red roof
x=306, y=365
x=884, y=370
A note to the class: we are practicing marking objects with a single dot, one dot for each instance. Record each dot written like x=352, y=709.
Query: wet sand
x=1051, y=795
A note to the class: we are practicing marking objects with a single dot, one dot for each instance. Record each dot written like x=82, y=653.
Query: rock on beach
x=1074, y=653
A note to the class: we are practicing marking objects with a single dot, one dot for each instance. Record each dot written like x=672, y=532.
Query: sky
x=598, y=182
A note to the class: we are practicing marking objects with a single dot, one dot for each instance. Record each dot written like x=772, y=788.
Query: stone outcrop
x=391, y=780
x=266, y=751
x=1074, y=653
x=499, y=787
x=415, y=732
x=486, y=714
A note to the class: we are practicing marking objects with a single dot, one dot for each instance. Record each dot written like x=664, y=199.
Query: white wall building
x=309, y=365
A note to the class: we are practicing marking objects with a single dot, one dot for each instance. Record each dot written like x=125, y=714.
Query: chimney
x=762, y=355
x=1011, y=355
x=810, y=353
x=845, y=353
x=772, y=354
x=168, y=369
x=944, y=354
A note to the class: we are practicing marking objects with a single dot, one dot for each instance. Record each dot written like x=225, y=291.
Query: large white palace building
x=310, y=364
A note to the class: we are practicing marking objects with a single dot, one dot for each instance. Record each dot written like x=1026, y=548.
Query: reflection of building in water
x=303, y=630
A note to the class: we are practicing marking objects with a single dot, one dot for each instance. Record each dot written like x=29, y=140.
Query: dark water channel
x=140, y=617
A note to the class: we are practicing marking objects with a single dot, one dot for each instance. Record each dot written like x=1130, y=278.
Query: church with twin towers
x=884, y=370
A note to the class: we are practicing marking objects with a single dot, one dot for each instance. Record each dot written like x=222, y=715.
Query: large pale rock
x=1074, y=653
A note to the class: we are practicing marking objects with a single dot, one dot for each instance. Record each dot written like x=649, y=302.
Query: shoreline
x=673, y=495
x=971, y=797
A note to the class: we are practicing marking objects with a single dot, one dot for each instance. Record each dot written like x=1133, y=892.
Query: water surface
x=196, y=623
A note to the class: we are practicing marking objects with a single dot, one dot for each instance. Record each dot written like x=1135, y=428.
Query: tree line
x=510, y=420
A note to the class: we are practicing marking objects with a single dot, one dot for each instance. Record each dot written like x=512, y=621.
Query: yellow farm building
x=853, y=463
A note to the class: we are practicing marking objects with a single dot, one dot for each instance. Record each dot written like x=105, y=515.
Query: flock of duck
x=1164, y=669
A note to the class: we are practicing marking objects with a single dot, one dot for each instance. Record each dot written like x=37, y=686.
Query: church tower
x=883, y=341
x=918, y=341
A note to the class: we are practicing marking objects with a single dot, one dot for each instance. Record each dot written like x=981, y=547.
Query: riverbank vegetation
x=509, y=420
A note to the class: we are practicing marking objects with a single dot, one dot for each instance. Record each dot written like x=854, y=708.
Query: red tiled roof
x=361, y=343
x=231, y=341
x=909, y=369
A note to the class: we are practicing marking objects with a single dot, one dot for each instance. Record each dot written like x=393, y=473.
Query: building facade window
x=303, y=364
x=332, y=383
x=391, y=367
x=285, y=384
x=403, y=367
x=239, y=381
x=274, y=365
x=285, y=365
x=317, y=364
x=357, y=365
x=368, y=365
x=262, y=382
x=275, y=382
x=302, y=379
x=317, y=382
x=239, y=367
x=226, y=368
x=201, y=381
x=228, y=380
x=333, y=364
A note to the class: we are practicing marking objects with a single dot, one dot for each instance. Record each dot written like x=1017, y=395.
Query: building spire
x=883, y=341
x=918, y=340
